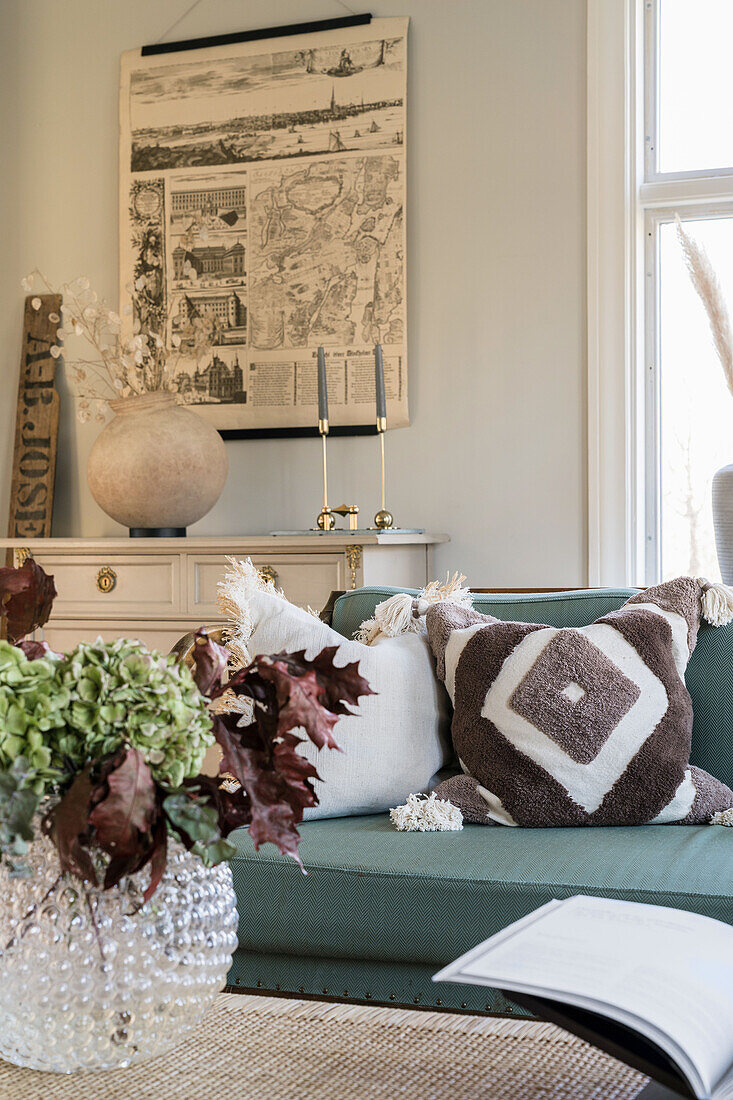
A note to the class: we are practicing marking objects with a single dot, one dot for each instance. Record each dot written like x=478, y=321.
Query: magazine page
x=664, y=972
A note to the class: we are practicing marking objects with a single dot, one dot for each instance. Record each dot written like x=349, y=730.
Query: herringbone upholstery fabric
x=388, y=899
x=709, y=680
x=360, y=980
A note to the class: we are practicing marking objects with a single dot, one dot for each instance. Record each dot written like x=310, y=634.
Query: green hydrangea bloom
x=122, y=692
x=32, y=709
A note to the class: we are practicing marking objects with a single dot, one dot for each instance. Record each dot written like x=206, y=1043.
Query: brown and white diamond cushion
x=576, y=726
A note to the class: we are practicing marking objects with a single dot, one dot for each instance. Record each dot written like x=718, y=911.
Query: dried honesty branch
x=707, y=285
x=122, y=366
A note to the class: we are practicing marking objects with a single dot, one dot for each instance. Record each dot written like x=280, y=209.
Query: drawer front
x=306, y=579
x=136, y=585
x=63, y=635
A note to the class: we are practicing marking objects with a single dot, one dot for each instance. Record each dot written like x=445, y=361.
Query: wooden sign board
x=37, y=422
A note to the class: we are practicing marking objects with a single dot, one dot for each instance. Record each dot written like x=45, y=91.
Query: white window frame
x=628, y=198
x=654, y=217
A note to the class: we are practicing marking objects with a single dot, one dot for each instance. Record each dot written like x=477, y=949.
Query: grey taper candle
x=322, y=386
x=379, y=383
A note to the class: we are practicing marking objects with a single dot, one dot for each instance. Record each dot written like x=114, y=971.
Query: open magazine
x=651, y=985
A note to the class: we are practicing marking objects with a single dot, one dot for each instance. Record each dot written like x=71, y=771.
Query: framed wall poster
x=262, y=184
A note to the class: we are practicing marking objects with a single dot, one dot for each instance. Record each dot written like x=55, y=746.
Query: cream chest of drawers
x=159, y=589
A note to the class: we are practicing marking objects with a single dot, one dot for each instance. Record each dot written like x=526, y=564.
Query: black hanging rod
x=255, y=36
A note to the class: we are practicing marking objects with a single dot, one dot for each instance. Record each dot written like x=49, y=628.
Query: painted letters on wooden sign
x=37, y=420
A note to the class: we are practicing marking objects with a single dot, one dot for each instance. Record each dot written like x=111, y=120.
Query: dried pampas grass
x=705, y=282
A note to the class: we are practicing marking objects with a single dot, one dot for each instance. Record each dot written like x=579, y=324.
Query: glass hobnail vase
x=91, y=980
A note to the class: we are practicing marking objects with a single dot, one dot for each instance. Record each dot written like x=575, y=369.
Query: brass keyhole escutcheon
x=106, y=579
x=269, y=573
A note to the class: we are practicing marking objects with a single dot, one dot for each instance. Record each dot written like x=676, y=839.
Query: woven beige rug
x=266, y=1048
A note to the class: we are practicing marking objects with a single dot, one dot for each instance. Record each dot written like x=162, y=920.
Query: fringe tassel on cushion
x=722, y=817
x=235, y=592
x=717, y=603
x=422, y=814
x=405, y=614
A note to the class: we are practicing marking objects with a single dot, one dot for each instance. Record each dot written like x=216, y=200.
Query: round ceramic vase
x=156, y=464
x=723, y=521
x=92, y=979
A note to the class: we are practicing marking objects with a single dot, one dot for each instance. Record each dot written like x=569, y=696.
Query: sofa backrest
x=709, y=674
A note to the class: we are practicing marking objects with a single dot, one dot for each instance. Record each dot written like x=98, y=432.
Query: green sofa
x=381, y=911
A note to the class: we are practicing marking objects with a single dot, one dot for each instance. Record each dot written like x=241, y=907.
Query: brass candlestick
x=384, y=518
x=326, y=520
x=351, y=511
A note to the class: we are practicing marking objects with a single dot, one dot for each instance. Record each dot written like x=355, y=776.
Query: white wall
x=495, y=455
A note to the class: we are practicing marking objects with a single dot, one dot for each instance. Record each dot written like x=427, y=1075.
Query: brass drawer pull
x=106, y=579
x=269, y=572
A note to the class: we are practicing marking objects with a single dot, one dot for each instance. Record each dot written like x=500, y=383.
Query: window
x=688, y=171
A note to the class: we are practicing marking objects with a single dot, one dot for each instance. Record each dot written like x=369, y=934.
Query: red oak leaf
x=158, y=856
x=120, y=867
x=34, y=650
x=209, y=663
x=125, y=806
x=233, y=807
x=299, y=702
x=275, y=779
x=68, y=826
x=26, y=598
x=297, y=772
x=289, y=692
x=340, y=684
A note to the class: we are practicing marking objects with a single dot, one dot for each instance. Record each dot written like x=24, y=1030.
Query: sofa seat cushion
x=373, y=893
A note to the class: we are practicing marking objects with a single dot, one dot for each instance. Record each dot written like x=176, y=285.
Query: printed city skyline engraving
x=328, y=99
x=263, y=197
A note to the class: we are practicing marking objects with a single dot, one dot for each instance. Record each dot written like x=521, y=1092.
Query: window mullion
x=686, y=192
x=651, y=89
x=651, y=389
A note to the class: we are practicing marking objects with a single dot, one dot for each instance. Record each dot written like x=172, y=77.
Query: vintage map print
x=263, y=186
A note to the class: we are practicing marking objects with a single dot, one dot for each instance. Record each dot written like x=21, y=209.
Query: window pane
x=695, y=85
x=696, y=408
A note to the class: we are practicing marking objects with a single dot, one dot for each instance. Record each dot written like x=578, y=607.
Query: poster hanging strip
x=254, y=36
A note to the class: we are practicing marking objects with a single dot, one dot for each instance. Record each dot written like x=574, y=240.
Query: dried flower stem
x=141, y=363
x=707, y=285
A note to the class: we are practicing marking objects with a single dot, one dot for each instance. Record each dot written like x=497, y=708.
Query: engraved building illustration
x=226, y=306
x=212, y=261
x=219, y=382
x=208, y=201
